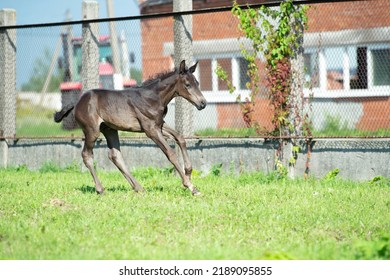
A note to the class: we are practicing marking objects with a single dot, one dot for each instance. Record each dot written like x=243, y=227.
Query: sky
x=31, y=43
x=42, y=11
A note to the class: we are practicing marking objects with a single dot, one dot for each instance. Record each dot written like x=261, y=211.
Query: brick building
x=347, y=60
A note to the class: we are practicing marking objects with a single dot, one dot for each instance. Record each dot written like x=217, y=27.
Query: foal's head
x=188, y=87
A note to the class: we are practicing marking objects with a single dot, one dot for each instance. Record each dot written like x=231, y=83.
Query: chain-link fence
x=346, y=57
x=49, y=63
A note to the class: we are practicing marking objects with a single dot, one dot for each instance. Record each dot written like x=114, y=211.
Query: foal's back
x=118, y=109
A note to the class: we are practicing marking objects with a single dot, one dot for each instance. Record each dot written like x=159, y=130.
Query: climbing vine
x=275, y=34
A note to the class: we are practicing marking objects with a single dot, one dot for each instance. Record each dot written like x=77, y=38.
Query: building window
x=380, y=67
x=225, y=63
x=216, y=90
x=243, y=71
x=347, y=68
x=311, y=65
x=361, y=81
x=205, y=78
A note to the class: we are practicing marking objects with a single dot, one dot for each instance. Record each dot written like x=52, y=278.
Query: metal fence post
x=296, y=116
x=90, y=46
x=182, y=30
x=297, y=84
x=7, y=74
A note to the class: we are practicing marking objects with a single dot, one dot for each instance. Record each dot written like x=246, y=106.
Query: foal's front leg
x=158, y=138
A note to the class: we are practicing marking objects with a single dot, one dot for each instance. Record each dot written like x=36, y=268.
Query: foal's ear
x=193, y=67
x=182, y=68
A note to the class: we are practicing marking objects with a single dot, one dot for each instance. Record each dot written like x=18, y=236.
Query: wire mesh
x=346, y=57
x=49, y=65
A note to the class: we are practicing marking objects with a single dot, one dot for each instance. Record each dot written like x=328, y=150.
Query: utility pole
x=118, y=79
x=125, y=57
x=183, y=50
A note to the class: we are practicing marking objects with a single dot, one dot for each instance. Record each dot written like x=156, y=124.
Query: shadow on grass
x=86, y=189
x=174, y=189
x=120, y=188
x=155, y=188
x=89, y=189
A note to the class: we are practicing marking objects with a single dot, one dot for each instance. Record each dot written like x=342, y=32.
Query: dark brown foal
x=137, y=109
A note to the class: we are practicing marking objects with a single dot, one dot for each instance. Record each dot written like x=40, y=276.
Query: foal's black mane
x=158, y=77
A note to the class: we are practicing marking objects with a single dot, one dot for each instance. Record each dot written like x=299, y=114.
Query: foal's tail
x=58, y=116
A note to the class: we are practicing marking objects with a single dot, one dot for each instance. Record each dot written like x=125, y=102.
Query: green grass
x=227, y=132
x=328, y=131
x=55, y=214
x=334, y=127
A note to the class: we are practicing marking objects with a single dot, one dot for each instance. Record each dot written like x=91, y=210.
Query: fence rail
x=347, y=70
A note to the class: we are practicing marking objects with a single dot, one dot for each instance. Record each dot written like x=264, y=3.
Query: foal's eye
x=187, y=85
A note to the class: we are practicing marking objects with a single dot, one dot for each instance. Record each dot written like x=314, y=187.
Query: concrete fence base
x=357, y=159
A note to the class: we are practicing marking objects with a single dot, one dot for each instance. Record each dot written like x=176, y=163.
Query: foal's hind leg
x=115, y=155
x=171, y=133
x=87, y=154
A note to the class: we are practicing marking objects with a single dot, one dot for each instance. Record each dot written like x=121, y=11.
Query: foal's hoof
x=139, y=191
x=195, y=192
x=100, y=192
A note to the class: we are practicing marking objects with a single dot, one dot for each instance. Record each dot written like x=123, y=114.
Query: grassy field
x=36, y=121
x=55, y=214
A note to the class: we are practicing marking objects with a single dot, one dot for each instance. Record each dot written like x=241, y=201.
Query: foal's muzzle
x=202, y=105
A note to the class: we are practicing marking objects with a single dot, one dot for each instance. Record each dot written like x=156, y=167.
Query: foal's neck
x=167, y=89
